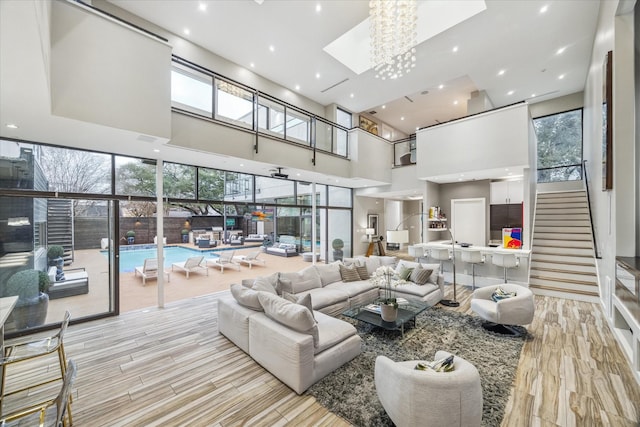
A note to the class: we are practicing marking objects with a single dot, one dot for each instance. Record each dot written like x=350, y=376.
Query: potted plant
x=31, y=308
x=387, y=279
x=131, y=237
x=55, y=253
x=337, y=245
x=185, y=235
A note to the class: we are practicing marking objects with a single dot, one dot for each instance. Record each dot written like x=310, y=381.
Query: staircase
x=60, y=226
x=562, y=254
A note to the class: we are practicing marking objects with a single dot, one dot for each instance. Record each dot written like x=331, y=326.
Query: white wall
x=557, y=105
x=496, y=139
x=94, y=79
x=371, y=156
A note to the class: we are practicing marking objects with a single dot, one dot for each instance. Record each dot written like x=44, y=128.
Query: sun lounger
x=250, y=259
x=149, y=270
x=192, y=264
x=224, y=260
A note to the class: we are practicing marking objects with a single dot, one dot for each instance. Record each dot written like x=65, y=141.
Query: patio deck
x=133, y=295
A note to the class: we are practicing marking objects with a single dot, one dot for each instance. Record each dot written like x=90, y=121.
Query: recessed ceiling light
x=441, y=86
x=351, y=95
x=461, y=174
x=272, y=48
x=544, y=8
x=318, y=7
x=455, y=102
x=501, y=72
x=252, y=65
x=155, y=150
x=459, y=179
x=12, y=126
x=533, y=95
x=561, y=76
x=560, y=51
x=241, y=164
x=384, y=106
x=455, y=49
x=297, y=87
x=401, y=118
x=202, y=7
x=510, y=173
x=317, y=75
x=510, y=92
x=298, y=174
x=417, y=127
x=186, y=31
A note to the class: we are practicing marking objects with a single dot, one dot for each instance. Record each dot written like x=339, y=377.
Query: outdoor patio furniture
x=149, y=270
x=250, y=259
x=224, y=260
x=194, y=263
x=75, y=282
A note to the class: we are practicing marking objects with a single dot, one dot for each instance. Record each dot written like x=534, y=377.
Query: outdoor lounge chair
x=190, y=265
x=251, y=259
x=149, y=270
x=224, y=260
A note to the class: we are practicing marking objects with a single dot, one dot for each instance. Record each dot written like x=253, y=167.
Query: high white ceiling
x=516, y=36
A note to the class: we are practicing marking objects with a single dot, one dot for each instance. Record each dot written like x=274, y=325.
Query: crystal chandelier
x=393, y=37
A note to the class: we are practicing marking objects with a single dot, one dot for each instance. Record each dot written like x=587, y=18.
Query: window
x=179, y=181
x=339, y=196
x=271, y=117
x=344, y=118
x=135, y=177
x=272, y=190
x=238, y=187
x=191, y=91
x=559, y=146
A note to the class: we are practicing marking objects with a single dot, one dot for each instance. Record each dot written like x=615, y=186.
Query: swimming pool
x=132, y=258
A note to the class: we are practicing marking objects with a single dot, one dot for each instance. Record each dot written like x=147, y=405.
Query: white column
x=313, y=222
x=160, y=231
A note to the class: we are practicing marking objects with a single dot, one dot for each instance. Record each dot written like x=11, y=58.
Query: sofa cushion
x=420, y=275
x=330, y=295
x=294, y=316
x=332, y=331
x=353, y=288
x=301, y=281
x=372, y=263
x=329, y=273
x=304, y=300
x=246, y=297
x=264, y=284
x=386, y=260
x=349, y=274
x=405, y=264
x=417, y=290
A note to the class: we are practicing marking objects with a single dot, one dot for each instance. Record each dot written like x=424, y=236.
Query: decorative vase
x=388, y=312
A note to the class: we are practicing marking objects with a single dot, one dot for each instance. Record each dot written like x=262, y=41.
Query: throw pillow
x=500, y=294
x=304, y=300
x=405, y=273
x=294, y=316
x=285, y=285
x=262, y=284
x=349, y=274
x=329, y=273
x=420, y=275
x=246, y=297
x=362, y=272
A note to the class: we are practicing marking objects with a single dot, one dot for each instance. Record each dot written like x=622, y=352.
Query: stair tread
x=558, y=279
x=563, y=290
x=577, y=264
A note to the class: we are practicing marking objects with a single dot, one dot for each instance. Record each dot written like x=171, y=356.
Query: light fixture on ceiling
x=393, y=29
x=12, y=126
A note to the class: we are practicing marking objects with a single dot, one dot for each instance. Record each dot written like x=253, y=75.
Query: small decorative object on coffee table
x=387, y=279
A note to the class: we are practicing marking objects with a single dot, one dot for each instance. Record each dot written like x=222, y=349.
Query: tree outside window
x=559, y=146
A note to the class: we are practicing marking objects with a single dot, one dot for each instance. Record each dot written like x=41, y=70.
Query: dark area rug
x=350, y=390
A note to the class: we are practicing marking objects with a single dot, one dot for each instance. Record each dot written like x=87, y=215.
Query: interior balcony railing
x=404, y=151
x=198, y=91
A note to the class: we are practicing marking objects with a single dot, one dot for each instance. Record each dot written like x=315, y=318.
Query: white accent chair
x=502, y=316
x=504, y=260
x=224, y=260
x=428, y=398
x=250, y=259
x=149, y=270
x=195, y=263
x=473, y=257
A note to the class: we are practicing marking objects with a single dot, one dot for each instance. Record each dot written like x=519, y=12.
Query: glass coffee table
x=406, y=312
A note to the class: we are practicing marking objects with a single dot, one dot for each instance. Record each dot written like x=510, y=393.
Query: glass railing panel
x=341, y=145
x=234, y=104
x=271, y=117
x=298, y=127
x=560, y=174
x=323, y=136
x=191, y=91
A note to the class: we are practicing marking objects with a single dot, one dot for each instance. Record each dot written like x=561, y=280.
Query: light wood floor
x=170, y=367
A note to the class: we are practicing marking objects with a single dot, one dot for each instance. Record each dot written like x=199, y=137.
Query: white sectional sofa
x=299, y=353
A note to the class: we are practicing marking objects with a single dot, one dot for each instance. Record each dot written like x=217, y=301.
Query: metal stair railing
x=593, y=231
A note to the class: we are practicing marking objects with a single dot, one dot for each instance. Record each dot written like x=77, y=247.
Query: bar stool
x=473, y=257
x=504, y=260
x=441, y=254
x=29, y=350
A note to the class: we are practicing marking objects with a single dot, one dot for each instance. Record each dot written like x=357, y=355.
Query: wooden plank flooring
x=170, y=367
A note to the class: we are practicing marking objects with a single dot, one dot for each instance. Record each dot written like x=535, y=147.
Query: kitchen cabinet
x=504, y=216
x=507, y=192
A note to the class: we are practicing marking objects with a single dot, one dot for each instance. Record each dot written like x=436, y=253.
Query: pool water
x=132, y=258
